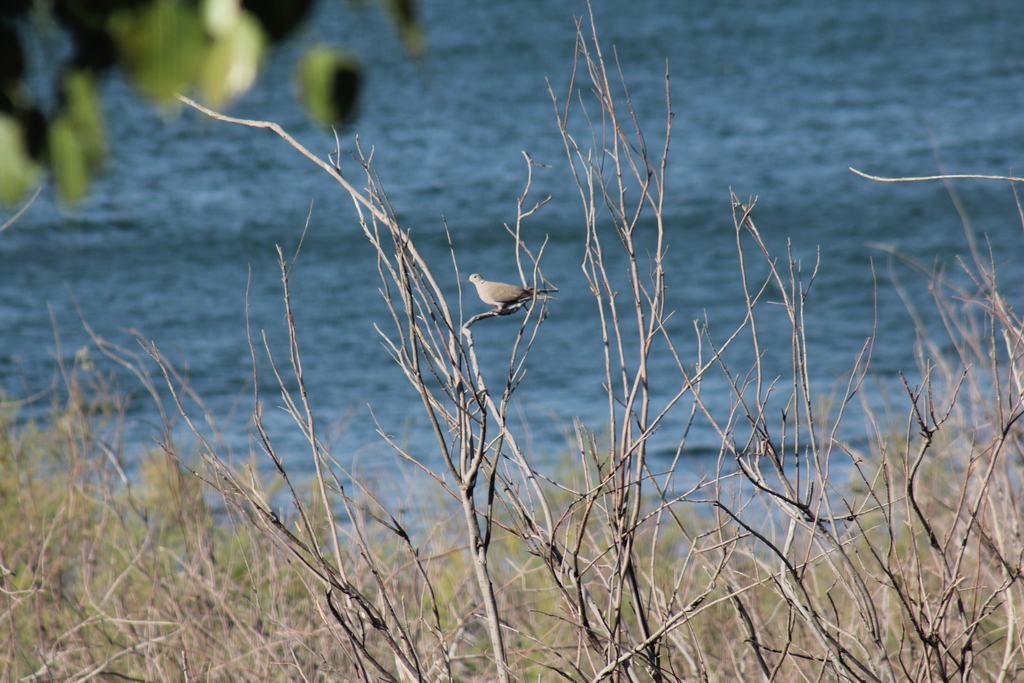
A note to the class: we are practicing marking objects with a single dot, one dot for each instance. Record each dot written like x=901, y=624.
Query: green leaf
x=328, y=82
x=220, y=16
x=161, y=44
x=233, y=61
x=403, y=13
x=68, y=160
x=18, y=171
x=85, y=116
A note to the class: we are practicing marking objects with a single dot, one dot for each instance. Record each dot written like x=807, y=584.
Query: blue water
x=772, y=99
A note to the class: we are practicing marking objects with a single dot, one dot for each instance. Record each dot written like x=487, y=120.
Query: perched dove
x=498, y=294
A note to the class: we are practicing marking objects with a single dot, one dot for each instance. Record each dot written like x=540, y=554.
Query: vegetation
x=163, y=47
x=804, y=556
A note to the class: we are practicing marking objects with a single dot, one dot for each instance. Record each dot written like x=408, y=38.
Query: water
x=773, y=99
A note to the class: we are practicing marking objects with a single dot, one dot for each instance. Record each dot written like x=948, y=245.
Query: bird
x=499, y=294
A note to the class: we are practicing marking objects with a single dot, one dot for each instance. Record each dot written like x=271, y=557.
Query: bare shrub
x=775, y=565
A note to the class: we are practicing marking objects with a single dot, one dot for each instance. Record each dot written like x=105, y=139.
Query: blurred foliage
x=328, y=81
x=163, y=47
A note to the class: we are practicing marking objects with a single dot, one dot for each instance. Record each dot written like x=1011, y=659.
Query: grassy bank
x=158, y=576
x=108, y=577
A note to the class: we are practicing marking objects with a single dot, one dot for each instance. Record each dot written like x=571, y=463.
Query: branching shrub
x=803, y=556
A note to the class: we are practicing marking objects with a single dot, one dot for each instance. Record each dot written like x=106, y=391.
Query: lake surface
x=773, y=99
